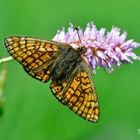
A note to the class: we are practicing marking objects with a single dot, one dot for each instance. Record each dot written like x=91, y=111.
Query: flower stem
x=3, y=76
x=3, y=60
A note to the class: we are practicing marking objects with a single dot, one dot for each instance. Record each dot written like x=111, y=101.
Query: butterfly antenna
x=76, y=28
x=81, y=48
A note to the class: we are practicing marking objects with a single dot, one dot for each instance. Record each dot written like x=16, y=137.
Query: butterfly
x=65, y=66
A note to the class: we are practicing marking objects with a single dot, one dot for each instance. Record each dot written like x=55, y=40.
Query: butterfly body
x=66, y=65
x=70, y=76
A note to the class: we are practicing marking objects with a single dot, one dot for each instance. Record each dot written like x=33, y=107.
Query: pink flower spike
x=103, y=49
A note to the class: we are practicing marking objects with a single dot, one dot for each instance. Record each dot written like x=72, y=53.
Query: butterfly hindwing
x=37, y=56
x=78, y=93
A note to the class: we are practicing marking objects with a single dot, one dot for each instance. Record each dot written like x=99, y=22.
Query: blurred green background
x=31, y=112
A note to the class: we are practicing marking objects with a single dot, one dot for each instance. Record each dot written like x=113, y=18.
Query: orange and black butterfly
x=64, y=66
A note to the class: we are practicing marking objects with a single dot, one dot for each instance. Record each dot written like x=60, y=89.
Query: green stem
x=3, y=60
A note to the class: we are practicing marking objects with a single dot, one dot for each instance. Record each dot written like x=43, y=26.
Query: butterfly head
x=81, y=50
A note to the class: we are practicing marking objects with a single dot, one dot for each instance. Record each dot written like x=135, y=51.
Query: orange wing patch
x=57, y=90
x=79, y=95
x=32, y=54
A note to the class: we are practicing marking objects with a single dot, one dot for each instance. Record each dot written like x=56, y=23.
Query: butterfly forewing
x=35, y=55
x=78, y=93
